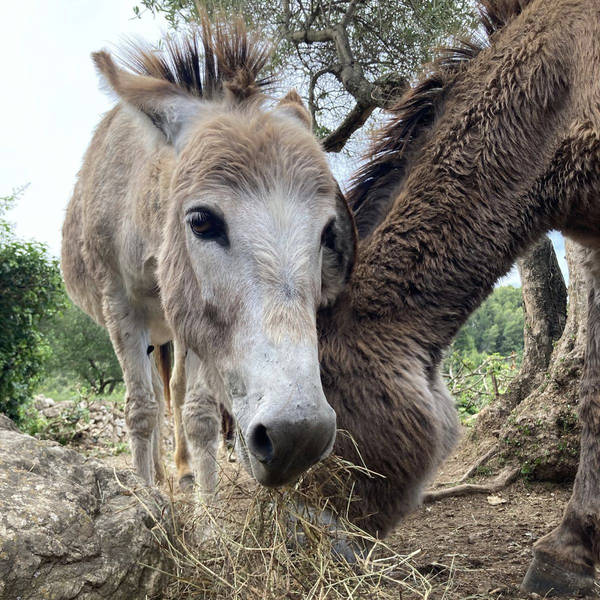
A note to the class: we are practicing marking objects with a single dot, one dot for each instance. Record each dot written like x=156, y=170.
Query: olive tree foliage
x=30, y=292
x=349, y=57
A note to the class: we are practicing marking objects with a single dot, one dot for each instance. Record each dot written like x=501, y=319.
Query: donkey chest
x=143, y=294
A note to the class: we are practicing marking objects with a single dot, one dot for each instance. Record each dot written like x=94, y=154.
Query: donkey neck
x=435, y=258
x=473, y=200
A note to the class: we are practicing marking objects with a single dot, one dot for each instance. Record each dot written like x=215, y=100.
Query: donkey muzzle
x=283, y=445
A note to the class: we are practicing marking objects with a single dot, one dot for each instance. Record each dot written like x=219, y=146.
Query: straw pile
x=253, y=543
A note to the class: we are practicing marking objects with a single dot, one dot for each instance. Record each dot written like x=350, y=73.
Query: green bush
x=30, y=291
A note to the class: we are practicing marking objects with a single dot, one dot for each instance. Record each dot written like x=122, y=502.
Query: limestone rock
x=70, y=530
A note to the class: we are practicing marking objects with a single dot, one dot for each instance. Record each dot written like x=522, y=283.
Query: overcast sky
x=51, y=102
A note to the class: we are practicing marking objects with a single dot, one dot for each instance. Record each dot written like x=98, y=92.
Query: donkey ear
x=168, y=107
x=339, y=252
x=291, y=104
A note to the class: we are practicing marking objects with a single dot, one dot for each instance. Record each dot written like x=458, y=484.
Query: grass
x=62, y=390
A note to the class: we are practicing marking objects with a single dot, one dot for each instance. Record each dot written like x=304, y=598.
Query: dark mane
x=373, y=186
x=206, y=61
x=496, y=14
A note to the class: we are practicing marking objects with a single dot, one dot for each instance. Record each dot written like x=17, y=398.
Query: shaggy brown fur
x=377, y=183
x=480, y=160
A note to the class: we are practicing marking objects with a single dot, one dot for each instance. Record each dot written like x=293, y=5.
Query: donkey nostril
x=261, y=445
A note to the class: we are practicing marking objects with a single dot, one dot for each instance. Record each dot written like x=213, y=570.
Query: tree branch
x=466, y=489
x=350, y=13
x=353, y=121
x=312, y=105
x=368, y=95
x=473, y=468
x=310, y=36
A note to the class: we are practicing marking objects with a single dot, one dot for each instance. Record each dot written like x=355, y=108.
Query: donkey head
x=258, y=237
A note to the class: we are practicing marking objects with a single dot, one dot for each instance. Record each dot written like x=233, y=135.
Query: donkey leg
x=564, y=560
x=185, y=477
x=131, y=339
x=201, y=420
x=157, y=437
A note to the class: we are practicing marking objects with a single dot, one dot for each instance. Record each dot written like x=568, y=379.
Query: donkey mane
x=371, y=194
x=206, y=61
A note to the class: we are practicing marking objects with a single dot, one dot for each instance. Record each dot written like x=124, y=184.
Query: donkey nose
x=284, y=447
x=260, y=444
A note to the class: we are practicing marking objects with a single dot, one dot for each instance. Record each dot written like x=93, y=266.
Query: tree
x=545, y=303
x=30, y=287
x=535, y=423
x=353, y=56
x=542, y=430
x=82, y=350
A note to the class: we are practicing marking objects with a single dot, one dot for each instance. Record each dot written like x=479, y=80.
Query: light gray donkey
x=206, y=216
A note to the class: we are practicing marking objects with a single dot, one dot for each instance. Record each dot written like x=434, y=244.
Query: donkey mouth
x=273, y=474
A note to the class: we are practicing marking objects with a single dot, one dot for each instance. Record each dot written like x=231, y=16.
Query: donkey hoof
x=549, y=579
x=186, y=482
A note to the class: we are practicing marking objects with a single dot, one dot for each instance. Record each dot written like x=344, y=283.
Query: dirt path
x=474, y=549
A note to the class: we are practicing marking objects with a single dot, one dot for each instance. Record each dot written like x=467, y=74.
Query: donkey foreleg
x=564, y=560
x=131, y=340
x=201, y=423
x=157, y=434
x=185, y=478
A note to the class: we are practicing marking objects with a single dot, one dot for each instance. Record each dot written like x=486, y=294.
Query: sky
x=52, y=101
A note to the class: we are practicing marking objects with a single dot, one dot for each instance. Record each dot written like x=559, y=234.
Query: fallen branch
x=503, y=480
x=473, y=469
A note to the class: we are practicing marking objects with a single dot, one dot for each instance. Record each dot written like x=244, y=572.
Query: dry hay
x=259, y=544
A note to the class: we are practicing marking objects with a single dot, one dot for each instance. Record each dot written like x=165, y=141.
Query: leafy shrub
x=30, y=291
x=487, y=352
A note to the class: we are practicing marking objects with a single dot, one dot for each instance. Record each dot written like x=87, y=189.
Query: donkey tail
x=164, y=361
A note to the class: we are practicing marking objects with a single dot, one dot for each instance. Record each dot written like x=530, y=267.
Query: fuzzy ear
x=167, y=106
x=339, y=252
x=291, y=104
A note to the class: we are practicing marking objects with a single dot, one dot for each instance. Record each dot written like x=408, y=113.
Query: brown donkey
x=206, y=216
x=480, y=159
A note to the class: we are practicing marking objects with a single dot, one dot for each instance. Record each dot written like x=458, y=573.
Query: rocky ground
x=71, y=527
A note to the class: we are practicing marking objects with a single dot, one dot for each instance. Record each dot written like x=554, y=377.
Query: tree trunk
x=545, y=307
x=542, y=431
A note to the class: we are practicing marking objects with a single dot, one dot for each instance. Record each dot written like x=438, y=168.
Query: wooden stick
x=480, y=461
x=503, y=480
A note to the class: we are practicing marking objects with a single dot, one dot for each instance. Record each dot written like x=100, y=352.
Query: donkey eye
x=328, y=235
x=205, y=225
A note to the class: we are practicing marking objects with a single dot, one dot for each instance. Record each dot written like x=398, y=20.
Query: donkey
x=206, y=216
x=497, y=146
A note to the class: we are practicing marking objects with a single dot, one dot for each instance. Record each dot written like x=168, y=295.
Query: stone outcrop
x=72, y=528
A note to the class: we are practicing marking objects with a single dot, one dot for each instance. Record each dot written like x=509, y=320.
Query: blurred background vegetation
x=48, y=345
x=487, y=352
